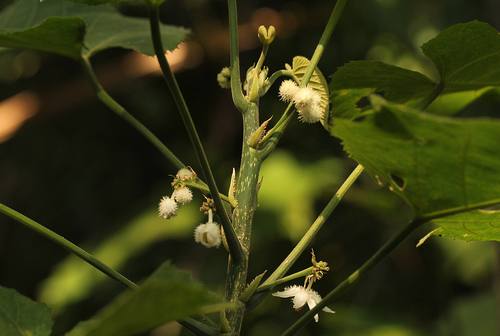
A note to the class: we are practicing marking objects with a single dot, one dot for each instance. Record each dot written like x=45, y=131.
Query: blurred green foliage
x=81, y=171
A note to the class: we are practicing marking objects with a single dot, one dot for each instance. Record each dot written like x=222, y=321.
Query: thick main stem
x=246, y=195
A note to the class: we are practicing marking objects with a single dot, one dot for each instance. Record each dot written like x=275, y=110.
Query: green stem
x=290, y=277
x=79, y=252
x=327, y=33
x=426, y=101
x=246, y=195
x=313, y=230
x=234, y=246
x=119, y=110
x=239, y=98
x=383, y=252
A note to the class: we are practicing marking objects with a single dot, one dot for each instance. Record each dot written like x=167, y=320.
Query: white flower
x=185, y=173
x=300, y=296
x=288, y=90
x=182, y=195
x=307, y=102
x=208, y=234
x=167, y=207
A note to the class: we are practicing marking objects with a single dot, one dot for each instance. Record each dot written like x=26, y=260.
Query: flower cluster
x=169, y=206
x=307, y=101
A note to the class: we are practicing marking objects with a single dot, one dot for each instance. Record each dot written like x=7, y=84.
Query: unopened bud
x=266, y=36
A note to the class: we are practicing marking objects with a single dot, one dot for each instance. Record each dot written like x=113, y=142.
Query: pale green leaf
x=105, y=27
x=439, y=165
x=169, y=294
x=317, y=82
x=477, y=225
x=20, y=316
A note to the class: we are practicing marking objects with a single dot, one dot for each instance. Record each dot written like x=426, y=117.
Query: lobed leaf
x=105, y=28
x=466, y=57
x=168, y=294
x=439, y=165
x=400, y=85
x=20, y=316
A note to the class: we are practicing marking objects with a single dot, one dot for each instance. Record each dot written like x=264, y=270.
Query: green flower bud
x=224, y=78
x=266, y=36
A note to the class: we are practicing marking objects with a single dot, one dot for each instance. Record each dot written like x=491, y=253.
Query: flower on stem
x=167, y=207
x=182, y=195
x=208, y=234
x=302, y=296
x=307, y=101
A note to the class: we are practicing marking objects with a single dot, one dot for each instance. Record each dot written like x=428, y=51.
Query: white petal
x=289, y=292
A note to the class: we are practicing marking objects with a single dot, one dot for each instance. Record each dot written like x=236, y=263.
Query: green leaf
x=317, y=82
x=466, y=55
x=477, y=225
x=62, y=36
x=439, y=165
x=105, y=28
x=20, y=316
x=400, y=85
x=169, y=294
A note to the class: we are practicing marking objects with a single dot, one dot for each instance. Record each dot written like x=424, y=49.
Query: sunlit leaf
x=317, y=82
x=20, y=316
x=169, y=294
x=439, y=165
x=105, y=28
x=477, y=225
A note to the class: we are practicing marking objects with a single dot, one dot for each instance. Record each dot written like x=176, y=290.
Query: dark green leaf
x=344, y=103
x=478, y=225
x=105, y=27
x=399, y=84
x=467, y=56
x=20, y=316
x=439, y=165
x=62, y=36
x=169, y=294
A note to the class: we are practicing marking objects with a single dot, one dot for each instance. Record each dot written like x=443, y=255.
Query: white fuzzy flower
x=167, y=207
x=300, y=296
x=182, y=195
x=208, y=234
x=288, y=90
x=185, y=173
x=307, y=102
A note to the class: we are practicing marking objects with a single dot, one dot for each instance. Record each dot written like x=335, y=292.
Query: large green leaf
x=105, y=28
x=20, y=316
x=439, y=165
x=400, y=85
x=477, y=225
x=466, y=56
x=167, y=295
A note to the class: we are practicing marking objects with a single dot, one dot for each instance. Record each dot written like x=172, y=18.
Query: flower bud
x=288, y=90
x=266, y=36
x=224, y=78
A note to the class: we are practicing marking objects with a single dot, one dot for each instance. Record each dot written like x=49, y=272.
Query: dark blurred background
x=71, y=164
